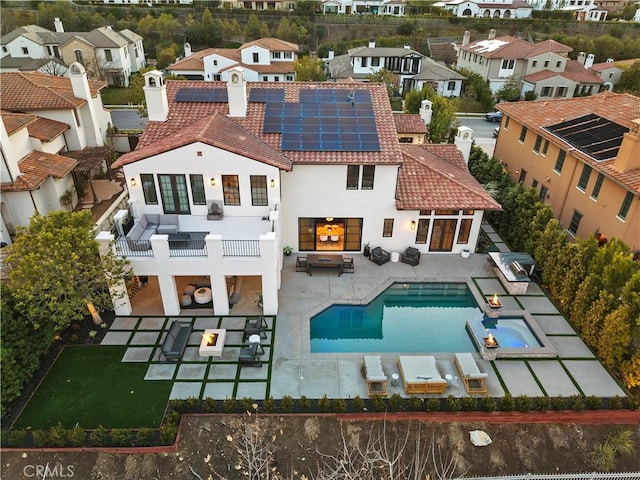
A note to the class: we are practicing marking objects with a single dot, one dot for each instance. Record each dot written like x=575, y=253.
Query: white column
x=220, y=298
x=119, y=295
x=270, y=252
x=169, y=294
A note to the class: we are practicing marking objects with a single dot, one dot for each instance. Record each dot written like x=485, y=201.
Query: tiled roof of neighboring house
x=37, y=91
x=28, y=64
x=508, y=6
x=549, y=46
x=619, y=108
x=574, y=71
x=434, y=71
x=271, y=43
x=195, y=60
x=101, y=37
x=383, y=52
x=409, y=123
x=46, y=130
x=183, y=115
x=34, y=33
x=133, y=37
x=14, y=62
x=275, y=67
x=15, y=121
x=38, y=63
x=513, y=48
x=36, y=168
x=340, y=67
x=442, y=168
x=599, y=67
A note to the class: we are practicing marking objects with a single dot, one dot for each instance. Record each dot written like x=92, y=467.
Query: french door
x=173, y=190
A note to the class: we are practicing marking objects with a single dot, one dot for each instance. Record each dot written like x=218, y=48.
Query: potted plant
x=287, y=250
x=367, y=250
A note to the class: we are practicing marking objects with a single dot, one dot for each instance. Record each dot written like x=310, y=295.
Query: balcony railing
x=240, y=248
x=133, y=248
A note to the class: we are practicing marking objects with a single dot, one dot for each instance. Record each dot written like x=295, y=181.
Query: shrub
x=121, y=437
x=14, y=438
x=190, y=404
x=378, y=404
x=324, y=404
x=98, y=436
x=453, y=404
x=433, y=404
x=357, y=404
x=415, y=403
x=230, y=405
x=633, y=402
x=507, y=404
x=286, y=403
x=396, y=402
x=603, y=457
x=144, y=436
x=577, y=403
x=524, y=403
x=59, y=435
x=488, y=404
x=468, y=404
x=558, y=403
x=168, y=433
x=593, y=402
x=269, y=405
x=615, y=403
x=40, y=438
x=209, y=405
x=622, y=442
x=543, y=403
x=246, y=403
x=305, y=403
x=339, y=405
x=77, y=436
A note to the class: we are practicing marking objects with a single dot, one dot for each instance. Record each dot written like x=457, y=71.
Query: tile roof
x=36, y=168
x=435, y=71
x=34, y=33
x=574, y=71
x=271, y=43
x=619, y=108
x=599, y=67
x=183, y=115
x=549, y=46
x=15, y=121
x=409, y=123
x=46, y=129
x=435, y=177
x=384, y=52
x=37, y=91
x=514, y=48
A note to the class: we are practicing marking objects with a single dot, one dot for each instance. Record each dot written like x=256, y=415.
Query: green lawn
x=90, y=386
x=120, y=96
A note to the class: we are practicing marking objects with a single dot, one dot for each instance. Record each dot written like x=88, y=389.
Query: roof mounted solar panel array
x=334, y=95
x=266, y=95
x=202, y=95
x=596, y=136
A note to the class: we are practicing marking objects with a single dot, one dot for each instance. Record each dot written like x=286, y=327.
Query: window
x=217, y=77
x=597, y=186
x=78, y=54
x=265, y=78
x=506, y=123
x=534, y=63
x=558, y=63
x=536, y=146
x=375, y=61
x=559, y=161
x=353, y=175
x=523, y=134
x=288, y=54
x=108, y=56
x=256, y=57
x=4, y=49
x=364, y=61
x=543, y=193
x=126, y=54
x=215, y=63
x=546, y=91
x=545, y=147
x=561, y=92
x=135, y=50
x=508, y=64
x=387, y=229
x=546, y=63
x=523, y=175
x=368, y=174
x=230, y=190
x=534, y=184
x=149, y=189
x=465, y=230
x=259, y=197
x=451, y=86
x=276, y=78
x=76, y=116
x=575, y=222
x=626, y=205
x=197, y=189
x=25, y=51
x=406, y=139
x=173, y=190
x=289, y=78
x=275, y=54
x=584, y=177
x=422, y=231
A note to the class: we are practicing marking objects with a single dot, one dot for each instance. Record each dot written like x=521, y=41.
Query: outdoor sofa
x=151, y=224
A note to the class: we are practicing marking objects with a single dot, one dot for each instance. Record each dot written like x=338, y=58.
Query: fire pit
x=212, y=342
x=490, y=341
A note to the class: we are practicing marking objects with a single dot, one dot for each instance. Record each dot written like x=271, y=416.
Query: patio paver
x=489, y=286
x=206, y=322
x=253, y=390
x=137, y=354
x=190, y=371
x=218, y=390
x=287, y=380
x=570, y=347
x=553, y=378
x=518, y=378
x=319, y=378
x=115, y=338
x=160, y=372
x=538, y=305
x=151, y=323
x=144, y=338
x=124, y=323
x=222, y=371
x=554, y=324
x=182, y=390
x=593, y=378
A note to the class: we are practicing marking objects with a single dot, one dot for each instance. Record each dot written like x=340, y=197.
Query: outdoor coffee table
x=212, y=342
x=179, y=240
x=324, y=261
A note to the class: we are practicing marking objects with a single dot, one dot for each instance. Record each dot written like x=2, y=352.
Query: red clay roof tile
x=409, y=123
x=36, y=168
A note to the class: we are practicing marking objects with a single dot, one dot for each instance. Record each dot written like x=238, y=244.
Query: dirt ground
x=213, y=446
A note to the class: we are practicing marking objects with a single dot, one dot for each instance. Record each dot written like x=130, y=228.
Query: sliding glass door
x=327, y=234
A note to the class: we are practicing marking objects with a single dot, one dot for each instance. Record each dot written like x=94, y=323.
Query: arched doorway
x=496, y=14
x=507, y=14
x=467, y=12
x=486, y=14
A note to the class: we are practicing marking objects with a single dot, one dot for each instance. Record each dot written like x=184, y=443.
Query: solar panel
x=202, y=95
x=266, y=95
x=596, y=136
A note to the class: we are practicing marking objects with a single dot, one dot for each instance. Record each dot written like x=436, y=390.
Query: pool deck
x=291, y=369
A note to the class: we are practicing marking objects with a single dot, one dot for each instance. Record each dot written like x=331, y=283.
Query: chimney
x=155, y=94
x=187, y=49
x=610, y=60
x=581, y=58
x=463, y=141
x=109, y=27
x=58, y=25
x=407, y=46
x=628, y=157
x=372, y=42
x=588, y=63
x=426, y=112
x=10, y=170
x=80, y=86
x=466, y=38
x=492, y=34
x=237, y=93
x=331, y=54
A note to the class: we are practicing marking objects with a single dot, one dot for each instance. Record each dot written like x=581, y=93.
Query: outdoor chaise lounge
x=471, y=375
x=411, y=256
x=379, y=256
x=420, y=374
x=376, y=379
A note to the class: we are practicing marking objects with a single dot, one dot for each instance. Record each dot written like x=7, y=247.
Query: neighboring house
x=49, y=66
x=542, y=67
x=611, y=70
x=364, y=7
x=582, y=155
x=263, y=60
x=149, y=3
x=581, y=9
x=494, y=9
x=257, y=166
x=105, y=53
x=284, y=5
x=636, y=17
x=43, y=117
x=411, y=128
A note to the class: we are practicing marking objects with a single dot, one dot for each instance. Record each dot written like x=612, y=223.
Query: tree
x=479, y=88
x=309, y=70
x=413, y=101
x=509, y=92
x=55, y=270
x=254, y=29
x=630, y=80
x=291, y=32
x=387, y=78
x=443, y=116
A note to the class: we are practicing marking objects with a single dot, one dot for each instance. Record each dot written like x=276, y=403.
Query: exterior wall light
x=413, y=224
x=272, y=183
x=134, y=182
x=213, y=182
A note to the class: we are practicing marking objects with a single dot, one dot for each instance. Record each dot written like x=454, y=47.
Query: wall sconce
x=329, y=219
x=213, y=182
x=413, y=224
x=518, y=172
x=134, y=182
x=272, y=183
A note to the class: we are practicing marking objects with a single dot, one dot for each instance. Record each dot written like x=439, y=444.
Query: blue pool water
x=511, y=332
x=405, y=318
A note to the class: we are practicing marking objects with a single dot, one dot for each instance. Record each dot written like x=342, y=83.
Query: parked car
x=496, y=131
x=493, y=116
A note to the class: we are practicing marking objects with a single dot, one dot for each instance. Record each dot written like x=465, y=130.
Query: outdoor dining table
x=324, y=261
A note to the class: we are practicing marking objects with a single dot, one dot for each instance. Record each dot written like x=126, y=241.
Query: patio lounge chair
x=376, y=379
x=411, y=256
x=379, y=256
x=255, y=326
x=250, y=355
x=471, y=375
x=420, y=374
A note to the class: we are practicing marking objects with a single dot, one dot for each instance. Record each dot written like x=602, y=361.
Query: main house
x=43, y=118
x=582, y=155
x=263, y=60
x=543, y=68
x=226, y=175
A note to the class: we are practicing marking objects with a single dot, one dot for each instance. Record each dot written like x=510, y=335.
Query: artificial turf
x=90, y=386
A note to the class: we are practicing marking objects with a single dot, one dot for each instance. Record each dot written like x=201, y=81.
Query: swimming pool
x=405, y=318
x=511, y=332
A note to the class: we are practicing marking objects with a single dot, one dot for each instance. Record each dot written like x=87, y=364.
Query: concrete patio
x=289, y=367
